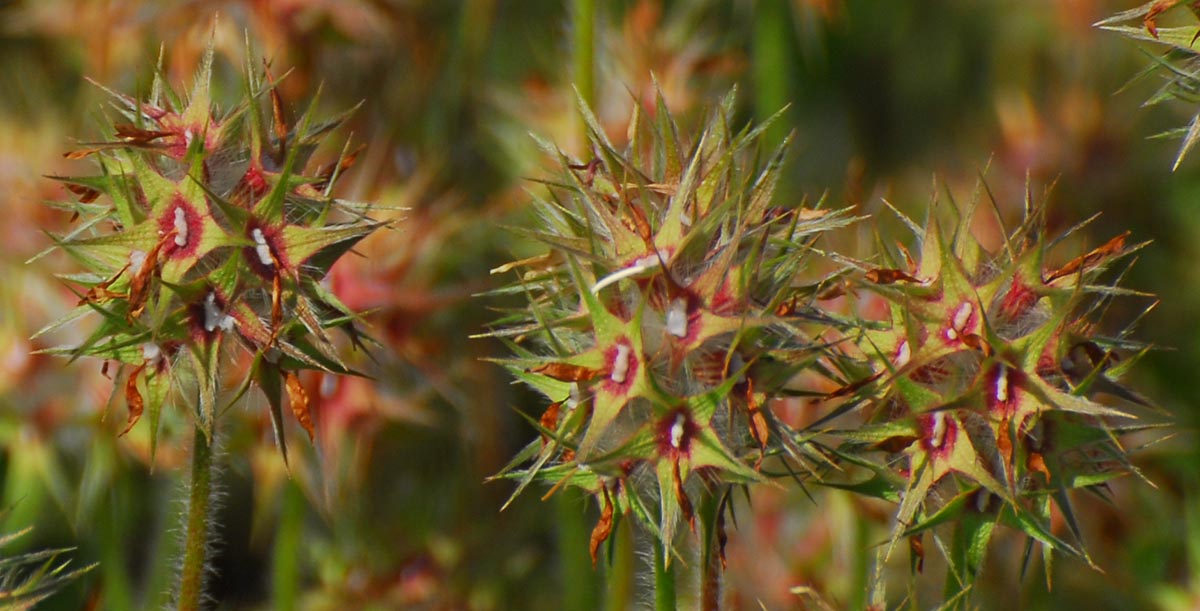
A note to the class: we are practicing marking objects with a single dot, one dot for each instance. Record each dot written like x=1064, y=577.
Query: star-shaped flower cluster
x=204, y=231
x=667, y=314
x=984, y=372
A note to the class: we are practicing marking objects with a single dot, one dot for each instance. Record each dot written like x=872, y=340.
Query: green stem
x=580, y=584
x=771, y=65
x=621, y=571
x=664, y=579
x=195, y=547
x=285, y=574
x=583, y=48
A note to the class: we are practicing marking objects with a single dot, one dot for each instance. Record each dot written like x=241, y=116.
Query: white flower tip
x=1002, y=385
x=677, y=318
x=677, y=430
x=938, y=436
x=214, y=318
x=261, y=247
x=620, y=368
x=181, y=227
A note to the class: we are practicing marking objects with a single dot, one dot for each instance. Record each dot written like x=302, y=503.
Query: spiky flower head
x=666, y=315
x=981, y=411
x=205, y=231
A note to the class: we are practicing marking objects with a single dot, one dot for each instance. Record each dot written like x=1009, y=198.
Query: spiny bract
x=204, y=230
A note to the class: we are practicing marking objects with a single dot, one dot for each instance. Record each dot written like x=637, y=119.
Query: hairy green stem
x=664, y=579
x=195, y=547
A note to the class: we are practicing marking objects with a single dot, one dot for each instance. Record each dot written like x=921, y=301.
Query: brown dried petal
x=603, y=528
x=86, y=195
x=1151, y=18
x=134, y=399
x=298, y=398
x=139, y=284
x=549, y=420
x=1091, y=259
x=890, y=276
x=137, y=136
x=81, y=153
x=565, y=372
x=917, y=547
x=1036, y=462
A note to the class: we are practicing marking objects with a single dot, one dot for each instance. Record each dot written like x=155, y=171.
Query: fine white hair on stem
x=217, y=494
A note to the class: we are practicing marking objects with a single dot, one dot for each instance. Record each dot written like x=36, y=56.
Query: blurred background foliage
x=388, y=509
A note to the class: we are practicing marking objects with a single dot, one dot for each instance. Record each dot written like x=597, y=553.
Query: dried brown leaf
x=890, y=276
x=133, y=398
x=565, y=372
x=602, y=529
x=86, y=195
x=298, y=398
x=1091, y=259
x=917, y=547
x=549, y=420
x=136, y=136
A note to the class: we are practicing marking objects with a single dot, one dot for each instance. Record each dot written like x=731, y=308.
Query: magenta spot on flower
x=254, y=183
x=1018, y=300
x=183, y=223
x=725, y=301
x=182, y=135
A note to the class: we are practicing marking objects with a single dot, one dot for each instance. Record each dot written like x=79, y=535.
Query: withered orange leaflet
x=1091, y=259
x=602, y=529
x=549, y=420
x=134, y=398
x=890, y=276
x=298, y=398
x=137, y=136
x=564, y=372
